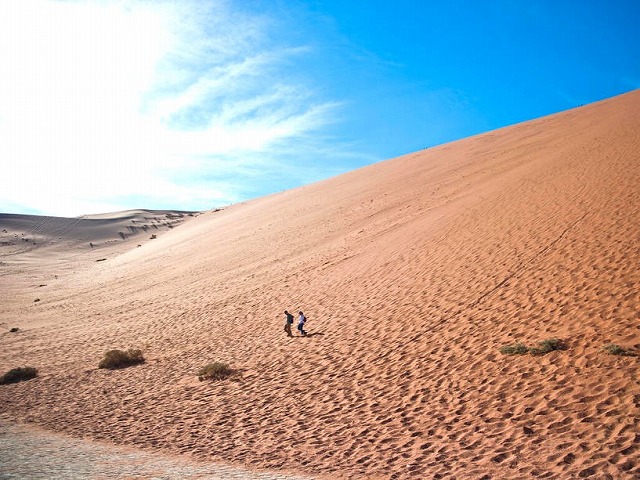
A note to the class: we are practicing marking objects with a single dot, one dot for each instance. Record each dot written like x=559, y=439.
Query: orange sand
x=413, y=273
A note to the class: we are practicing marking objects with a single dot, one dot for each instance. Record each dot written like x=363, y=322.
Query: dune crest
x=413, y=273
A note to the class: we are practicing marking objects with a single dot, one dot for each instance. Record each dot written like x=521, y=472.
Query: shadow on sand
x=310, y=334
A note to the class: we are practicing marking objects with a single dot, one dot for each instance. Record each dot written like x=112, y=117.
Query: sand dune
x=43, y=238
x=413, y=273
x=35, y=250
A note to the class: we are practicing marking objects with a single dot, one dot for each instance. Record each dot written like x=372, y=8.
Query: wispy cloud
x=172, y=104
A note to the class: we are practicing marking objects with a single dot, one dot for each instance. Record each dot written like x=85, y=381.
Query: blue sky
x=110, y=105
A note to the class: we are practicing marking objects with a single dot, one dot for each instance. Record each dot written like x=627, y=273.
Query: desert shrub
x=614, y=349
x=18, y=375
x=214, y=371
x=14, y=329
x=119, y=359
x=547, y=346
x=543, y=347
x=515, y=349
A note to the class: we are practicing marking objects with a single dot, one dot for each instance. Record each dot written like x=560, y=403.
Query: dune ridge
x=413, y=273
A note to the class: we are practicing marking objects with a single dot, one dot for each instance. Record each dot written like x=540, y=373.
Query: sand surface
x=413, y=273
x=30, y=453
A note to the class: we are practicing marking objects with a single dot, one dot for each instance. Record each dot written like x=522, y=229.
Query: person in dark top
x=287, y=324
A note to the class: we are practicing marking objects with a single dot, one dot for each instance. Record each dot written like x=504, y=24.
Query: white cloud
x=104, y=101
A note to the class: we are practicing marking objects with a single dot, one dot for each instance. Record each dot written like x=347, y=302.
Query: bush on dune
x=18, y=375
x=214, y=371
x=515, y=349
x=614, y=349
x=545, y=346
x=119, y=359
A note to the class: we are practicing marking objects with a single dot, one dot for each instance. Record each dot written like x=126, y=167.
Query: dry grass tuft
x=215, y=371
x=114, y=359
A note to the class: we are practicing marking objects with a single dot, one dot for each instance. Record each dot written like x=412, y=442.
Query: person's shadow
x=314, y=334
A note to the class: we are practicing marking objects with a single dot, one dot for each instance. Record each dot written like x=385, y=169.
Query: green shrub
x=515, y=349
x=119, y=359
x=547, y=346
x=543, y=347
x=214, y=371
x=614, y=349
x=18, y=375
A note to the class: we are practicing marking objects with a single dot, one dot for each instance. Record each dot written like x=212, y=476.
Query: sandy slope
x=35, y=250
x=413, y=272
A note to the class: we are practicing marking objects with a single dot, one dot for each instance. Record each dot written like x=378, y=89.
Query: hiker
x=287, y=324
x=301, y=321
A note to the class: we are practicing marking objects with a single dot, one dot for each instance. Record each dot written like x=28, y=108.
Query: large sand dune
x=413, y=273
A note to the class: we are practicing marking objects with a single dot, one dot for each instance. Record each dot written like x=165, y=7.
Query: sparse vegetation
x=114, y=359
x=14, y=329
x=153, y=237
x=18, y=375
x=215, y=371
x=514, y=349
x=545, y=346
x=614, y=349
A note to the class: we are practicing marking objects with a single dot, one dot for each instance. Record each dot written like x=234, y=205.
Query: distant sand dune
x=413, y=273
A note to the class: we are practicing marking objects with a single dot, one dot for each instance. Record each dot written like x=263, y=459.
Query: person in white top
x=301, y=321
